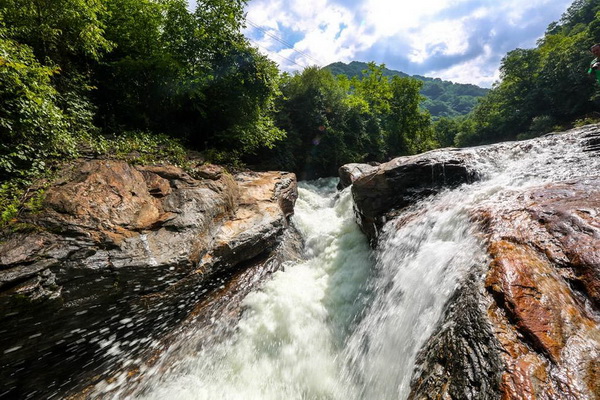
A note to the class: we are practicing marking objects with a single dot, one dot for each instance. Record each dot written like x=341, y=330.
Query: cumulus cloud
x=458, y=40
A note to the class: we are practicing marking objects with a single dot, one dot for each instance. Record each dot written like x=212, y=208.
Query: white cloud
x=389, y=18
x=329, y=32
x=476, y=71
x=441, y=38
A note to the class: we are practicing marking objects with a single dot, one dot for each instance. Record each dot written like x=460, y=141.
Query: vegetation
x=144, y=80
x=116, y=76
x=541, y=89
x=331, y=121
x=443, y=99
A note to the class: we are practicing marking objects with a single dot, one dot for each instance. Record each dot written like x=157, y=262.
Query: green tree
x=407, y=125
x=189, y=74
x=445, y=131
x=542, y=87
x=60, y=32
x=32, y=126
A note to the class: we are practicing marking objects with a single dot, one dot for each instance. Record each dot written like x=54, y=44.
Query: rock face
x=118, y=256
x=462, y=358
x=403, y=181
x=349, y=173
x=544, y=279
x=526, y=323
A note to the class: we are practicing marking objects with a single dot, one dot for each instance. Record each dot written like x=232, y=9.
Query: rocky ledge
x=118, y=256
x=526, y=324
x=378, y=191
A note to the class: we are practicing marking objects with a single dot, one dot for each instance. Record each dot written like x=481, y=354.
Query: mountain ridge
x=442, y=98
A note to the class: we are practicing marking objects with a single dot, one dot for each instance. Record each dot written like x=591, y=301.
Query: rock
x=405, y=180
x=530, y=328
x=122, y=255
x=351, y=172
x=543, y=278
x=462, y=358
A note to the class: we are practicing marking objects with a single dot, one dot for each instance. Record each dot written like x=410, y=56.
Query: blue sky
x=458, y=40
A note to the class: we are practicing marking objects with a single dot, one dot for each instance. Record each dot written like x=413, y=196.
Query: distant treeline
x=81, y=75
x=442, y=98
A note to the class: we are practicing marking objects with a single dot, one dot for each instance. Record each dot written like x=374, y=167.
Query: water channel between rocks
x=348, y=322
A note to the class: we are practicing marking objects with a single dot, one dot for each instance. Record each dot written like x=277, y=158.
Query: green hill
x=443, y=98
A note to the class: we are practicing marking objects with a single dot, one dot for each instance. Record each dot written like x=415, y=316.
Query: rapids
x=347, y=322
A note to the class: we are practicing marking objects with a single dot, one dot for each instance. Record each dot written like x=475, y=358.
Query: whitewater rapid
x=288, y=342
x=348, y=322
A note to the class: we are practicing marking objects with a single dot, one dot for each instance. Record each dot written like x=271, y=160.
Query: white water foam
x=286, y=346
x=339, y=327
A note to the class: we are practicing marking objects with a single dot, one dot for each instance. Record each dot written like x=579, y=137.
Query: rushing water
x=348, y=323
x=288, y=343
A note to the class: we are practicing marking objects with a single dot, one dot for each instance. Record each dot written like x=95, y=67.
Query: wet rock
x=462, y=358
x=543, y=278
x=121, y=256
x=530, y=328
x=349, y=173
x=403, y=181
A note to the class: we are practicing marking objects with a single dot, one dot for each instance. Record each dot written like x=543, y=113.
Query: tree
x=60, y=32
x=407, y=125
x=542, y=87
x=31, y=123
x=445, y=130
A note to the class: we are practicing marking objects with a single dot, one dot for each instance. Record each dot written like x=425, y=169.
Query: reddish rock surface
x=544, y=278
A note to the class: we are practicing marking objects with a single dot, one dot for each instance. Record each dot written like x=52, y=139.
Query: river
x=347, y=322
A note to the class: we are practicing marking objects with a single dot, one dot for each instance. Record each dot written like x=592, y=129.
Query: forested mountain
x=443, y=98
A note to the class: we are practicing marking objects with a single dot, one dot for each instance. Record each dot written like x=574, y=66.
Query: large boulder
x=403, y=181
x=349, y=173
x=530, y=328
x=118, y=256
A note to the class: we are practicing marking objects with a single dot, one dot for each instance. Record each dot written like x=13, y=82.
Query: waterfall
x=348, y=322
x=288, y=342
x=418, y=268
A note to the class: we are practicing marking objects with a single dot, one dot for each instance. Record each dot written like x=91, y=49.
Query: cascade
x=348, y=322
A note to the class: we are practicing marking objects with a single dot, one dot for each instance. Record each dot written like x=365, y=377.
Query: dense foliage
x=541, y=89
x=92, y=75
x=331, y=120
x=443, y=99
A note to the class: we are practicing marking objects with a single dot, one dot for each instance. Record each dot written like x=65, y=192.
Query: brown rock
x=104, y=194
x=127, y=253
x=542, y=277
x=403, y=181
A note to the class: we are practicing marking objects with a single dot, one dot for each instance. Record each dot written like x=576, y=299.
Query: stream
x=347, y=322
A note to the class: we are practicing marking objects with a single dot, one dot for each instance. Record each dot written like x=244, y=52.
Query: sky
x=457, y=40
